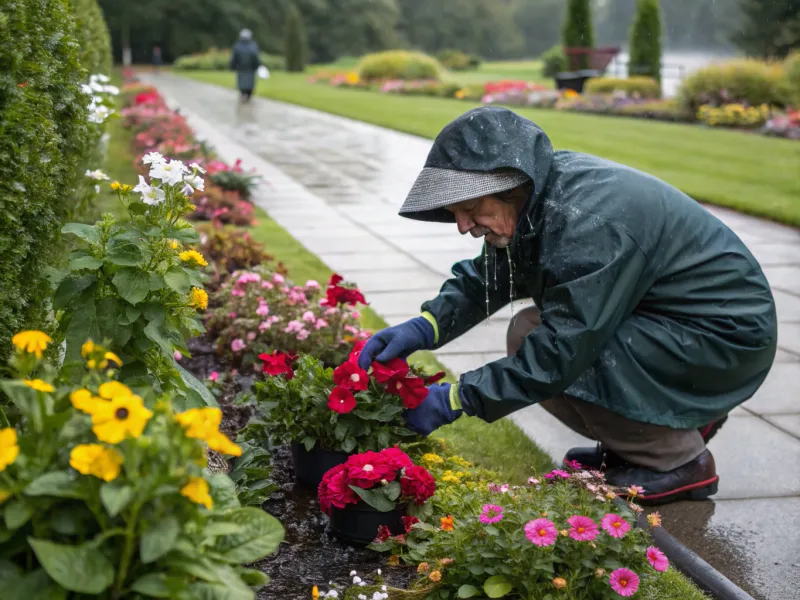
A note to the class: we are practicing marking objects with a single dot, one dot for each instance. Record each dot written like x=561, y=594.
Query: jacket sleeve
x=580, y=313
x=462, y=300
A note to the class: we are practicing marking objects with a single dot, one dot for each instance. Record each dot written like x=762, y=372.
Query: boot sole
x=695, y=491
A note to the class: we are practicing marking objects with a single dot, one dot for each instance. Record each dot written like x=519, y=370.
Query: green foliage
x=645, y=41
x=554, y=61
x=236, y=180
x=750, y=82
x=93, y=36
x=296, y=42
x=230, y=249
x=399, y=64
x=577, y=32
x=768, y=29
x=792, y=66
x=252, y=475
x=219, y=60
x=456, y=60
x=44, y=139
x=643, y=87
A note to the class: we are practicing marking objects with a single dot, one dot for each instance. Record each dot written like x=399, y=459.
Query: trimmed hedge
x=399, y=64
x=219, y=60
x=792, y=65
x=645, y=87
x=93, y=36
x=44, y=138
x=554, y=61
x=456, y=60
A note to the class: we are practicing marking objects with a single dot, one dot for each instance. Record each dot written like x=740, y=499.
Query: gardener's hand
x=398, y=341
x=442, y=406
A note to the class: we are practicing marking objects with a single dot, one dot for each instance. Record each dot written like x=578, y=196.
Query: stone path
x=336, y=185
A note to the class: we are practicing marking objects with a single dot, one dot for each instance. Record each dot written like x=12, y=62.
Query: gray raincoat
x=245, y=61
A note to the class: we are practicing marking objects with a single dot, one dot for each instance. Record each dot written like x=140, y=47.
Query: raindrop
x=486, y=277
x=511, y=280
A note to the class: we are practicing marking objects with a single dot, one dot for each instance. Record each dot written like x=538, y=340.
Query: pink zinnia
x=557, y=473
x=237, y=345
x=264, y=325
x=309, y=316
x=294, y=327
x=624, y=581
x=278, y=278
x=615, y=526
x=657, y=559
x=498, y=489
x=583, y=528
x=533, y=481
x=251, y=335
x=491, y=513
x=214, y=376
x=541, y=532
x=262, y=310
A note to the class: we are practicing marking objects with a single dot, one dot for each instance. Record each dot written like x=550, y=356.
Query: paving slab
x=784, y=278
x=355, y=263
x=390, y=304
x=488, y=336
x=365, y=244
x=779, y=392
x=788, y=423
x=468, y=361
x=789, y=338
x=777, y=254
x=442, y=262
x=397, y=280
x=783, y=356
x=787, y=306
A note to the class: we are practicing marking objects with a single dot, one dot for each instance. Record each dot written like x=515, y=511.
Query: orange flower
x=447, y=523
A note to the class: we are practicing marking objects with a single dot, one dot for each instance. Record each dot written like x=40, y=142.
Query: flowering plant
x=384, y=480
x=230, y=249
x=222, y=207
x=105, y=495
x=261, y=311
x=138, y=284
x=233, y=178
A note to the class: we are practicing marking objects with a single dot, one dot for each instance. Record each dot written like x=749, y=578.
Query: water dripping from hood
x=486, y=277
x=510, y=280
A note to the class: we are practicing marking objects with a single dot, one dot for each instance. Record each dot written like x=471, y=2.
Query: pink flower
x=246, y=278
x=264, y=325
x=237, y=292
x=583, y=528
x=232, y=315
x=262, y=310
x=541, y=532
x=331, y=311
x=214, y=376
x=267, y=285
x=356, y=315
x=312, y=285
x=491, y=513
x=177, y=355
x=251, y=335
x=278, y=278
x=238, y=345
x=320, y=324
x=498, y=489
x=574, y=464
x=309, y=316
x=533, y=481
x=294, y=327
x=302, y=334
x=657, y=559
x=614, y=525
x=624, y=581
x=557, y=473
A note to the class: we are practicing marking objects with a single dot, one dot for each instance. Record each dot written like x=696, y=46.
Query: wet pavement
x=336, y=184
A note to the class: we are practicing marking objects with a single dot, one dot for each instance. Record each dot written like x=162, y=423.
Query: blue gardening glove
x=398, y=341
x=442, y=406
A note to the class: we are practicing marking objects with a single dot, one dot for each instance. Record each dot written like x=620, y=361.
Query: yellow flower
x=432, y=459
x=315, y=593
x=423, y=567
x=39, y=385
x=174, y=244
x=4, y=495
x=97, y=460
x=564, y=533
x=435, y=576
x=203, y=424
x=112, y=389
x=87, y=348
x=84, y=401
x=393, y=560
x=193, y=256
x=461, y=94
x=122, y=417
x=352, y=78
x=198, y=298
x=33, y=342
x=450, y=477
x=223, y=445
x=113, y=357
x=459, y=461
x=197, y=491
x=560, y=583
x=115, y=185
x=654, y=519
x=599, y=572
x=9, y=450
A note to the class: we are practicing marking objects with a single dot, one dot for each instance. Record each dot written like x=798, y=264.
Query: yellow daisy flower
x=200, y=423
x=432, y=459
x=193, y=256
x=4, y=495
x=115, y=185
x=113, y=358
x=84, y=401
x=112, y=389
x=97, y=460
x=122, y=417
x=220, y=443
x=197, y=491
x=198, y=298
x=39, y=385
x=33, y=342
x=9, y=450
x=87, y=348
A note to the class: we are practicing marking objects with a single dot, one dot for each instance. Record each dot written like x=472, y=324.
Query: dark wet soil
x=309, y=555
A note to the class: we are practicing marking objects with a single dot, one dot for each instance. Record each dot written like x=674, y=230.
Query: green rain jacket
x=651, y=307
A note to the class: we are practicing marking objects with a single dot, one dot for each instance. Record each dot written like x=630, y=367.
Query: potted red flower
x=374, y=493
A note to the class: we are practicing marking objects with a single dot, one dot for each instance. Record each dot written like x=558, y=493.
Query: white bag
x=263, y=72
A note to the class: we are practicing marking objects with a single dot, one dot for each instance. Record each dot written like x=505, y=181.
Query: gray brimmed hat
x=437, y=188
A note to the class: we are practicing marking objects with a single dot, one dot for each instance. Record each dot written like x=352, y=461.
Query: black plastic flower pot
x=358, y=524
x=310, y=466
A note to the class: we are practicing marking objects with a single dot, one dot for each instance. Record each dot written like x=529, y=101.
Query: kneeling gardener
x=652, y=320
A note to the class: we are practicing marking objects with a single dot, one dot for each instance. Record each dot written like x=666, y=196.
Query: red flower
x=356, y=351
x=396, y=368
x=417, y=483
x=335, y=279
x=341, y=400
x=278, y=363
x=396, y=458
x=435, y=378
x=412, y=390
x=408, y=522
x=349, y=376
x=334, y=490
x=383, y=534
x=366, y=469
x=336, y=294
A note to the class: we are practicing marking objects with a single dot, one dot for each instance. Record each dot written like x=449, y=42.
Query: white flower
x=97, y=175
x=362, y=597
x=111, y=89
x=97, y=189
x=99, y=77
x=150, y=195
x=197, y=168
x=187, y=190
x=195, y=181
x=170, y=173
x=356, y=579
x=152, y=158
x=353, y=573
x=98, y=113
x=332, y=594
x=86, y=89
x=361, y=583
x=378, y=571
x=383, y=587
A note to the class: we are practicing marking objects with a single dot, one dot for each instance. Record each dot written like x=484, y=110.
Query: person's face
x=490, y=216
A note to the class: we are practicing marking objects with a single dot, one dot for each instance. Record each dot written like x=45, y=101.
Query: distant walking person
x=245, y=61
x=158, y=59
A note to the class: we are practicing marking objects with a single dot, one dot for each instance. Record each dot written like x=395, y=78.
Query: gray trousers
x=654, y=446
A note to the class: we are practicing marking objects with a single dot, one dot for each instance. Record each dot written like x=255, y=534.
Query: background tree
x=769, y=28
x=645, y=41
x=296, y=42
x=578, y=28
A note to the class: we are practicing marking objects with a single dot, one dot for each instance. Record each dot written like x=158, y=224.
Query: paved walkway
x=336, y=185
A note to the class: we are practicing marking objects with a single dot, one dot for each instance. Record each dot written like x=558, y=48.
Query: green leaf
x=219, y=591
x=185, y=235
x=375, y=498
x=393, y=490
x=349, y=444
x=82, y=326
x=123, y=252
x=218, y=528
x=9, y=574
x=223, y=491
x=35, y=585
x=156, y=282
x=309, y=443
x=262, y=535
x=61, y=484
x=202, y=396
x=132, y=313
x=116, y=497
x=497, y=586
x=467, y=591
x=159, y=538
x=88, y=233
x=81, y=260
x=341, y=429
x=71, y=287
x=384, y=439
x=476, y=569
x=152, y=585
x=253, y=577
x=491, y=530
x=132, y=284
x=17, y=513
x=109, y=311
x=77, y=568
x=176, y=279
x=157, y=334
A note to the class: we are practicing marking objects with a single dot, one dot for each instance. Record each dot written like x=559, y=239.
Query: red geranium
x=408, y=522
x=335, y=279
x=366, y=469
x=412, y=390
x=337, y=294
x=278, y=363
x=341, y=400
x=349, y=376
x=334, y=490
x=396, y=458
x=417, y=483
x=383, y=534
x=394, y=369
x=435, y=378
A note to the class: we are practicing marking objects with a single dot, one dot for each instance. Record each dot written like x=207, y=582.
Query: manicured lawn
x=746, y=172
